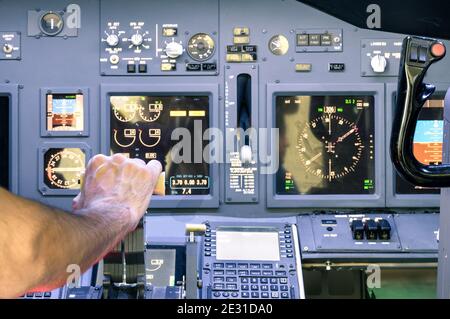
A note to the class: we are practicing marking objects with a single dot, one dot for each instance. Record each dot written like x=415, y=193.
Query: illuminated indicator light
x=340, y=109
x=438, y=50
x=197, y=113
x=320, y=109
x=178, y=113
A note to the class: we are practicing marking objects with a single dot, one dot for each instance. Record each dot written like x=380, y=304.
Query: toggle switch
x=371, y=229
x=384, y=229
x=357, y=227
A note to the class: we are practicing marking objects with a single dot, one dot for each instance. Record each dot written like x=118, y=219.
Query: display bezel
x=323, y=201
x=210, y=90
x=392, y=198
x=12, y=93
x=43, y=148
x=64, y=90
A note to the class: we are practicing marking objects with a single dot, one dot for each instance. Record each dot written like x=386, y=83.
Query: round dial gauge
x=64, y=168
x=51, y=23
x=279, y=45
x=201, y=47
x=330, y=147
x=125, y=112
x=151, y=112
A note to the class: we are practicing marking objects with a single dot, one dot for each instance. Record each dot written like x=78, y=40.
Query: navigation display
x=427, y=147
x=326, y=145
x=142, y=127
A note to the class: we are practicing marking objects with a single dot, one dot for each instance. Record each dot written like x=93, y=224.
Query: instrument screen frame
x=44, y=92
x=393, y=199
x=42, y=150
x=377, y=199
x=211, y=90
x=11, y=91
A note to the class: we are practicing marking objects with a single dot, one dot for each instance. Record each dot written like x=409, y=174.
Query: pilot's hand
x=117, y=188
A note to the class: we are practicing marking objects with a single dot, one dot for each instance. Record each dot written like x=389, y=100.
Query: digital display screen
x=4, y=142
x=326, y=145
x=65, y=112
x=427, y=147
x=64, y=168
x=242, y=243
x=143, y=126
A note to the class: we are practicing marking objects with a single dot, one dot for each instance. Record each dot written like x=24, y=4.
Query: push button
x=413, y=53
x=423, y=53
x=437, y=50
x=131, y=68
x=142, y=68
x=384, y=229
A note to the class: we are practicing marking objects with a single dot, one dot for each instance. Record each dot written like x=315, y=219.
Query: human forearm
x=49, y=240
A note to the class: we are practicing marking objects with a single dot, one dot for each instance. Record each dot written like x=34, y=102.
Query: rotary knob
x=8, y=48
x=378, y=63
x=137, y=39
x=174, y=50
x=112, y=40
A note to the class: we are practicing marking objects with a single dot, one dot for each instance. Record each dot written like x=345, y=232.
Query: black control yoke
x=417, y=56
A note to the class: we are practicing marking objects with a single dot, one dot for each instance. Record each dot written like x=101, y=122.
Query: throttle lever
x=417, y=56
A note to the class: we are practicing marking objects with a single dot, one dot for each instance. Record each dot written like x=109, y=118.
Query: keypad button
x=280, y=273
x=226, y=294
x=255, y=272
x=242, y=266
x=245, y=280
x=264, y=280
x=47, y=294
x=254, y=287
x=230, y=265
x=30, y=295
x=283, y=280
x=245, y=287
x=255, y=266
x=234, y=294
x=245, y=295
x=274, y=295
x=273, y=287
x=254, y=280
x=284, y=295
x=255, y=294
x=216, y=294
x=218, y=272
x=273, y=281
x=264, y=288
x=267, y=273
x=219, y=286
x=231, y=272
x=284, y=288
x=218, y=265
x=267, y=266
x=265, y=295
x=232, y=286
x=218, y=279
x=231, y=279
x=243, y=272
x=38, y=294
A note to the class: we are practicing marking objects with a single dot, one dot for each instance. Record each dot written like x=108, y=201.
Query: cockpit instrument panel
x=327, y=144
x=169, y=129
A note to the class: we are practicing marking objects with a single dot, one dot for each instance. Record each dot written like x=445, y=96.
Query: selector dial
x=174, y=49
x=8, y=48
x=112, y=40
x=137, y=39
x=378, y=63
x=201, y=47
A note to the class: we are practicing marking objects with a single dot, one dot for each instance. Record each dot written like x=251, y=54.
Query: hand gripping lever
x=417, y=56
